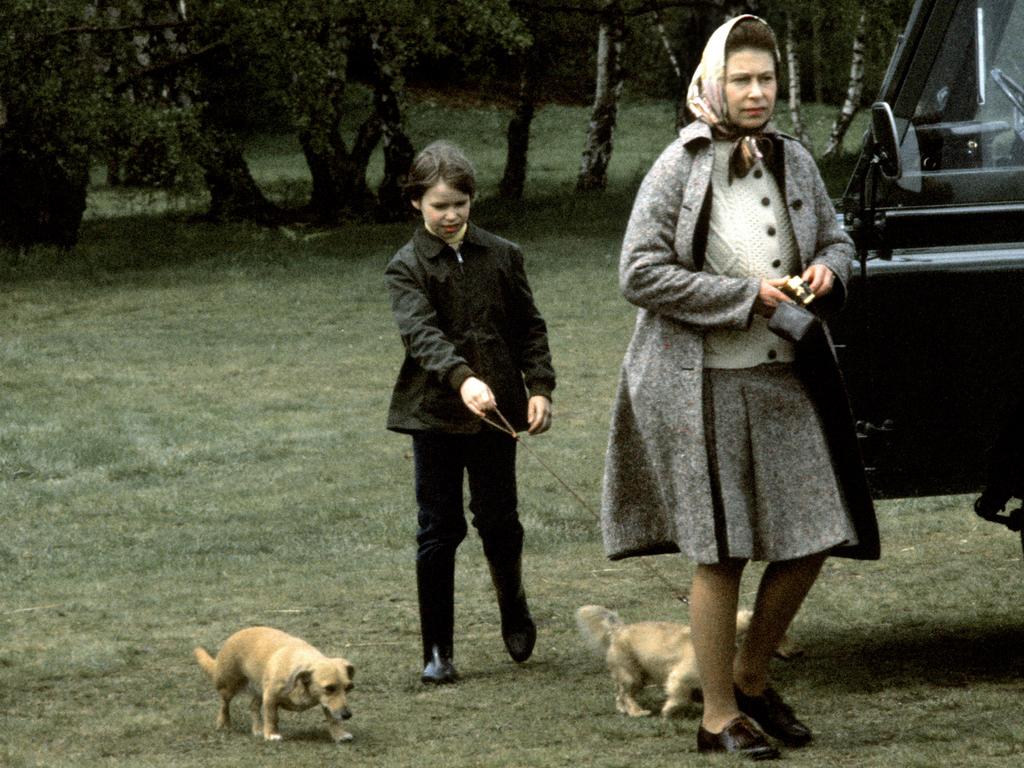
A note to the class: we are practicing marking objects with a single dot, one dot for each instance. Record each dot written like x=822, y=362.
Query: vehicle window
x=961, y=112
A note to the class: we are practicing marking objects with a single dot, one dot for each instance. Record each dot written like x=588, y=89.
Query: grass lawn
x=191, y=441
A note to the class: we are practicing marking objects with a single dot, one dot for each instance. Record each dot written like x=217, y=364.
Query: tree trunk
x=659, y=24
x=817, y=67
x=513, y=181
x=598, y=150
x=793, y=64
x=339, y=175
x=42, y=196
x=853, y=91
x=398, y=149
x=234, y=193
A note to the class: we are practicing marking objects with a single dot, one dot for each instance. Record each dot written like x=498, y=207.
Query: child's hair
x=752, y=33
x=440, y=161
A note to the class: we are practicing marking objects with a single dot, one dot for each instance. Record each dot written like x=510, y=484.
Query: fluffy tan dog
x=281, y=671
x=658, y=652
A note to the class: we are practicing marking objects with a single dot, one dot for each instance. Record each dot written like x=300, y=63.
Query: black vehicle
x=932, y=341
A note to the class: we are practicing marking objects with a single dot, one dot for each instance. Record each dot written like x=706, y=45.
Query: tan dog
x=659, y=652
x=283, y=672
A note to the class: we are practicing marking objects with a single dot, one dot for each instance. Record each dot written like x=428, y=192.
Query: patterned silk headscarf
x=706, y=100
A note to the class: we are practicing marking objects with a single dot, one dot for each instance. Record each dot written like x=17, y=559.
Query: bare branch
x=104, y=30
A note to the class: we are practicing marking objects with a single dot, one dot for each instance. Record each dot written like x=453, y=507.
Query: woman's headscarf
x=705, y=98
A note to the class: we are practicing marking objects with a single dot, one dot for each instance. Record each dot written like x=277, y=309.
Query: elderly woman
x=729, y=443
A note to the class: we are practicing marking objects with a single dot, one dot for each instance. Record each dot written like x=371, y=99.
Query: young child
x=475, y=345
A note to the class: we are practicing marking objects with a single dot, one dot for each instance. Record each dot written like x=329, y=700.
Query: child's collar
x=431, y=246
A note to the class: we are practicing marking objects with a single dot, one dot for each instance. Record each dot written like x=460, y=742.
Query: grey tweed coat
x=656, y=483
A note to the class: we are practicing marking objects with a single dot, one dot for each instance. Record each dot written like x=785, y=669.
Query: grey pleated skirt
x=774, y=487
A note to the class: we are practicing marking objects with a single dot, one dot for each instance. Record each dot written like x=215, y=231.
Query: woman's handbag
x=791, y=319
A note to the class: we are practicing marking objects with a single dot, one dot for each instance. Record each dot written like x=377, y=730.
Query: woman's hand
x=820, y=278
x=538, y=413
x=477, y=396
x=769, y=296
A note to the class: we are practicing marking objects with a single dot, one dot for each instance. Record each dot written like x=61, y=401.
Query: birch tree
x=597, y=150
x=853, y=90
x=793, y=65
x=659, y=25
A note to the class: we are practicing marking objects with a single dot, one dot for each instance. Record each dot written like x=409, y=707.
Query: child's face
x=444, y=209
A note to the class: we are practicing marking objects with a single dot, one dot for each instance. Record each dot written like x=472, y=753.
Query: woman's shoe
x=439, y=669
x=775, y=717
x=739, y=737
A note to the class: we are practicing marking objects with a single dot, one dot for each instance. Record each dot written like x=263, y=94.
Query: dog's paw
x=633, y=710
x=272, y=737
x=338, y=733
x=788, y=650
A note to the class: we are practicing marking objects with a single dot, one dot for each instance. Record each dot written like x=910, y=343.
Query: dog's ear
x=344, y=666
x=301, y=676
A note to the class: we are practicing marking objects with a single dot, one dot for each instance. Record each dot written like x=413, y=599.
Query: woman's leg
x=713, y=601
x=783, y=588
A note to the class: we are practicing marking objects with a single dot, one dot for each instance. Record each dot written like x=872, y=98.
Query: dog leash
x=509, y=430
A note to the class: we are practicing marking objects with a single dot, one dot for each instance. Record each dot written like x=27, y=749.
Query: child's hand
x=539, y=414
x=477, y=396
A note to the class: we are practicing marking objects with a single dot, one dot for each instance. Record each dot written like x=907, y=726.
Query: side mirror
x=886, y=148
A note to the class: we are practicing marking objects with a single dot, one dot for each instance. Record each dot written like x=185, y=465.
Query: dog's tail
x=597, y=624
x=205, y=660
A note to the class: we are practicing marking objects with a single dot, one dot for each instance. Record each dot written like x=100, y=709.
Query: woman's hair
x=440, y=161
x=752, y=33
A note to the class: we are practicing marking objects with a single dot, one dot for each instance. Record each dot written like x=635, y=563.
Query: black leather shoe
x=739, y=737
x=517, y=627
x=775, y=717
x=439, y=669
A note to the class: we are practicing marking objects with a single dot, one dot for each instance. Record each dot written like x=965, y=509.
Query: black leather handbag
x=792, y=321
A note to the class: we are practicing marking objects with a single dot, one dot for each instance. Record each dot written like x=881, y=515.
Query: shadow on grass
x=950, y=655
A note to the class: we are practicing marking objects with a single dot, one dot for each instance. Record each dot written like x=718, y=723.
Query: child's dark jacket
x=474, y=318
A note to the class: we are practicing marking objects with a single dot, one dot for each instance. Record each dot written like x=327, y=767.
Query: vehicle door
x=932, y=342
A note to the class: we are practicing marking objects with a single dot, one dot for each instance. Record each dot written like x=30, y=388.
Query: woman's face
x=444, y=209
x=750, y=87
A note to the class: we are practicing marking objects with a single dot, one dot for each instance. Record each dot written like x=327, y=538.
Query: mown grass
x=191, y=441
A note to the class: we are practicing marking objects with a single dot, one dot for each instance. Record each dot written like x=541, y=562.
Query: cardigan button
x=758, y=173
x=772, y=354
x=765, y=201
x=798, y=204
x=777, y=263
x=771, y=231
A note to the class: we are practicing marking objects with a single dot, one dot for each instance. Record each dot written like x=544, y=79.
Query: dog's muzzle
x=341, y=714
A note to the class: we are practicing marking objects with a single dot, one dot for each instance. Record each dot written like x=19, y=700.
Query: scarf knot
x=746, y=151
